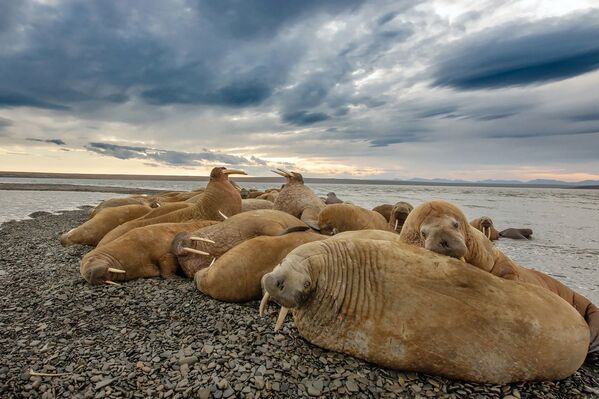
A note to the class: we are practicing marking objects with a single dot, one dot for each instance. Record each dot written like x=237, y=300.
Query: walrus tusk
x=223, y=215
x=113, y=270
x=279, y=173
x=284, y=171
x=195, y=251
x=111, y=282
x=463, y=259
x=263, y=303
x=396, y=223
x=489, y=233
x=281, y=319
x=36, y=374
x=234, y=172
x=213, y=260
x=195, y=238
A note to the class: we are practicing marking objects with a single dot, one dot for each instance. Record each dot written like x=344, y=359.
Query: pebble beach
x=60, y=337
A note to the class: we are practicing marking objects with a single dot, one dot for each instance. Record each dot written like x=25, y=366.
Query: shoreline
x=77, y=187
x=279, y=180
x=162, y=338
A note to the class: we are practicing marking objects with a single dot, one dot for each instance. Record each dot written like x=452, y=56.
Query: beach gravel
x=162, y=338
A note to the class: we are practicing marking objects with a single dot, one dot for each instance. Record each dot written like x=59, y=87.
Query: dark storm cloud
x=222, y=53
x=522, y=53
x=167, y=157
x=304, y=118
x=51, y=141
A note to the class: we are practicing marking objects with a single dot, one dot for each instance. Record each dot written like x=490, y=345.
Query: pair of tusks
x=487, y=232
x=282, y=313
x=113, y=270
x=195, y=251
x=282, y=172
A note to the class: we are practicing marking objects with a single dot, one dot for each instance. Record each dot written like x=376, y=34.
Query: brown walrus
x=332, y=199
x=194, y=254
x=485, y=225
x=141, y=252
x=297, y=199
x=255, y=194
x=385, y=210
x=441, y=227
x=516, y=234
x=132, y=200
x=399, y=213
x=336, y=218
x=406, y=308
x=270, y=196
x=92, y=231
x=251, y=204
x=219, y=200
x=236, y=276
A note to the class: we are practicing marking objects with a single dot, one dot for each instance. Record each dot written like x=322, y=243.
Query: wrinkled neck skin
x=220, y=195
x=346, y=296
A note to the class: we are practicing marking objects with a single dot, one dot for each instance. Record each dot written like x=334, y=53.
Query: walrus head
x=437, y=226
x=287, y=285
x=220, y=173
x=399, y=214
x=100, y=268
x=292, y=177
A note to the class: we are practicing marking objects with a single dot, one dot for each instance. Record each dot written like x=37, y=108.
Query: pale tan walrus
x=385, y=210
x=92, y=231
x=298, y=200
x=441, y=227
x=399, y=214
x=220, y=199
x=336, y=218
x=194, y=253
x=251, y=204
x=131, y=200
x=485, y=225
x=141, y=252
x=236, y=276
x=403, y=307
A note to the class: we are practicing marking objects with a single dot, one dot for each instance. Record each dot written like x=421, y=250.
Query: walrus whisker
x=113, y=270
x=223, y=215
x=396, y=223
x=195, y=251
x=196, y=238
x=263, y=303
x=281, y=319
x=111, y=283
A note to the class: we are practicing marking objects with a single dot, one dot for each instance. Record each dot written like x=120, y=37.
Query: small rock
x=105, y=382
x=315, y=387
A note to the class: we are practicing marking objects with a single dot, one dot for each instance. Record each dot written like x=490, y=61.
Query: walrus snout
x=445, y=242
x=289, y=289
x=180, y=241
x=100, y=270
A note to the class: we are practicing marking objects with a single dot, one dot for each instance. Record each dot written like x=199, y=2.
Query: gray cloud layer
x=348, y=81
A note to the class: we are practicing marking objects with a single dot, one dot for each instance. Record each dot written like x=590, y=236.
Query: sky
x=373, y=89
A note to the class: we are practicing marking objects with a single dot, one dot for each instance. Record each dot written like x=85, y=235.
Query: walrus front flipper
x=310, y=217
x=293, y=229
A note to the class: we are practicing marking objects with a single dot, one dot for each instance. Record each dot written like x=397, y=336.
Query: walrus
x=385, y=210
x=92, y=231
x=516, y=234
x=399, y=213
x=251, y=204
x=297, y=199
x=141, y=252
x=219, y=200
x=255, y=194
x=485, y=225
x=336, y=218
x=194, y=253
x=117, y=202
x=332, y=199
x=270, y=196
x=403, y=307
x=442, y=227
x=236, y=275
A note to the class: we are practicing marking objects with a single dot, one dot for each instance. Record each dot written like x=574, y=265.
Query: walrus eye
x=456, y=225
x=423, y=234
x=307, y=284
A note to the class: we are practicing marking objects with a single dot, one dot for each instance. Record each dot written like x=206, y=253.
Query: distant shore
x=274, y=179
x=77, y=187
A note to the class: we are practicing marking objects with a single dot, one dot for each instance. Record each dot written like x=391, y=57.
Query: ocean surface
x=565, y=222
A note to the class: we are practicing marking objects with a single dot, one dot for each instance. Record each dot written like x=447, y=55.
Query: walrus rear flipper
x=310, y=217
x=592, y=319
x=293, y=229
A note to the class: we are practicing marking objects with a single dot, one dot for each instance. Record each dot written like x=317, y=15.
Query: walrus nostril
x=280, y=284
x=444, y=244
